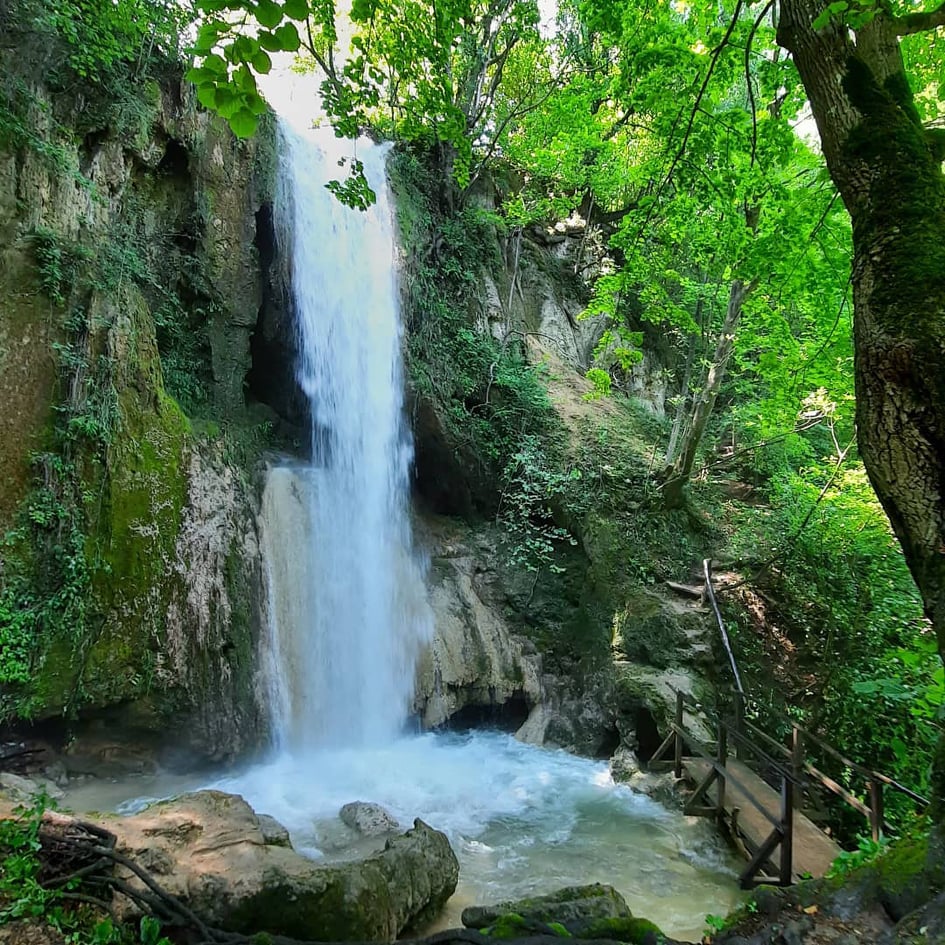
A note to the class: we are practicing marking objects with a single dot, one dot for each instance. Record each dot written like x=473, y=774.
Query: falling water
x=347, y=601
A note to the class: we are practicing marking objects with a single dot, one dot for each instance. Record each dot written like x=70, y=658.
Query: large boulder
x=228, y=865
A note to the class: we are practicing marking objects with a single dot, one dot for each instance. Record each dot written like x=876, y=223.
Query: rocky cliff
x=548, y=543
x=131, y=282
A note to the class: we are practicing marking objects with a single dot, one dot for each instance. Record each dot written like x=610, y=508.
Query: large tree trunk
x=890, y=179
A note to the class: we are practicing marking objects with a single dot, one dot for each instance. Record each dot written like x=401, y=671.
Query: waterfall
x=348, y=608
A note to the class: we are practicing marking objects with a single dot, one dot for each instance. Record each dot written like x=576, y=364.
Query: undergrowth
x=25, y=897
x=485, y=392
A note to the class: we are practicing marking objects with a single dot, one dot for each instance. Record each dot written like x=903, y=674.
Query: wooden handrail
x=868, y=773
x=788, y=765
x=871, y=777
x=710, y=590
x=743, y=739
x=707, y=755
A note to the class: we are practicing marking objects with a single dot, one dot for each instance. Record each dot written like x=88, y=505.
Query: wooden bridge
x=756, y=788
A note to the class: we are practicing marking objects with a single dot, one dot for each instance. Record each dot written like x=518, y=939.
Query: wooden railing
x=784, y=767
x=874, y=783
x=782, y=826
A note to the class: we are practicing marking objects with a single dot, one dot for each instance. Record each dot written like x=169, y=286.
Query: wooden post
x=797, y=762
x=787, y=832
x=722, y=754
x=877, y=815
x=739, y=721
x=677, y=763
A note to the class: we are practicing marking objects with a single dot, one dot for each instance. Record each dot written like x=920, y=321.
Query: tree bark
x=891, y=181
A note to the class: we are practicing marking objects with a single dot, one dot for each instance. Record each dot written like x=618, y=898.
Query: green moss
x=903, y=863
x=479, y=398
x=624, y=929
x=891, y=142
x=510, y=925
x=136, y=535
x=326, y=907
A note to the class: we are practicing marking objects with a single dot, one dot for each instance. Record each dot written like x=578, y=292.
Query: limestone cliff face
x=477, y=667
x=131, y=283
x=549, y=618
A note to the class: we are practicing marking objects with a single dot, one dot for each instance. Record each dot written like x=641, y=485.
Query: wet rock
x=274, y=834
x=475, y=660
x=22, y=789
x=368, y=819
x=574, y=907
x=624, y=764
x=57, y=773
x=661, y=787
x=214, y=856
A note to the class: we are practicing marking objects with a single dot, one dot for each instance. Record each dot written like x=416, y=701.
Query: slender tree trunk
x=889, y=175
x=679, y=419
x=678, y=475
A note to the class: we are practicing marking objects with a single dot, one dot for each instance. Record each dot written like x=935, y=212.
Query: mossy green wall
x=131, y=285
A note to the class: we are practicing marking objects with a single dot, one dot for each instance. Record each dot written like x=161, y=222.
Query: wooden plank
x=814, y=851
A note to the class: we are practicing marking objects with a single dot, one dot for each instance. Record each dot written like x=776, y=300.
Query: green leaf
x=199, y=75
x=244, y=123
x=268, y=14
x=297, y=9
x=288, y=37
x=832, y=10
x=257, y=104
x=244, y=80
x=223, y=97
x=269, y=41
x=363, y=10
x=261, y=62
x=206, y=95
x=207, y=37
x=244, y=48
x=215, y=64
x=229, y=106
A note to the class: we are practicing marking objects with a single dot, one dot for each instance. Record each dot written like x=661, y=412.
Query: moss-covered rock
x=622, y=929
x=582, y=912
x=572, y=906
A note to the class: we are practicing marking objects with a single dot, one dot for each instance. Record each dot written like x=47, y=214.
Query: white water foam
x=522, y=820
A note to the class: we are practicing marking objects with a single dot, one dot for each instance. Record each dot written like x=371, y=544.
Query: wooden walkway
x=813, y=851
x=766, y=823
